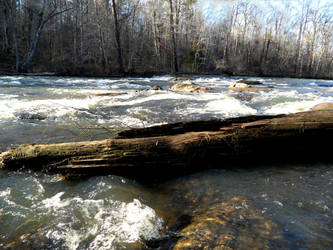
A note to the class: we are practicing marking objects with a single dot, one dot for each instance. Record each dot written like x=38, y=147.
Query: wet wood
x=176, y=148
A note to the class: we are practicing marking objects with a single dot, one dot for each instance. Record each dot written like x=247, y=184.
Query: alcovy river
x=268, y=207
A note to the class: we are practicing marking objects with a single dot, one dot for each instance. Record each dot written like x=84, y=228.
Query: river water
x=275, y=206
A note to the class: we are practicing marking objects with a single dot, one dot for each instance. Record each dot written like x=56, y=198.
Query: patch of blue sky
x=215, y=10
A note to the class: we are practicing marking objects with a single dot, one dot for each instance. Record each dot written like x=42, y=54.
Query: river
x=275, y=206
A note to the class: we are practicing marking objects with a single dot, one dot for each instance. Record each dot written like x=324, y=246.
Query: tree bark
x=11, y=6
x=173, y=38
x=117, y=35
x=174, y=149
x=38, y=30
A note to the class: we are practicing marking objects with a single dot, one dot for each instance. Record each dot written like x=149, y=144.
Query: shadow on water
x=266, y=207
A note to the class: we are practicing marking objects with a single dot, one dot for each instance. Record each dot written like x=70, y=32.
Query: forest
x=116, y=37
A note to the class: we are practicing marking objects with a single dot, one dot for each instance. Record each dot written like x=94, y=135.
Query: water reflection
x=268, y=207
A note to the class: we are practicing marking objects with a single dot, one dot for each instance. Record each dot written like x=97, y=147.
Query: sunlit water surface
x=109, y=212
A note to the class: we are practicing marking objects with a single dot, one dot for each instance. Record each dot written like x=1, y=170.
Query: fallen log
x=173, y=149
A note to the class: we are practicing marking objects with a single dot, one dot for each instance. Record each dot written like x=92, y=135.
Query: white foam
x=5, y=192
x=126, y=85
x=51, y=107
x=103, y=223
x=128, y=224
x=279, y=203
x=292, y=107
x=161, y=78
x=229, y=107
x=215, y=81
x=55, y=202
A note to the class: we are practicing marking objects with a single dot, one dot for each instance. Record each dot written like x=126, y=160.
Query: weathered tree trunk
x=172, y=149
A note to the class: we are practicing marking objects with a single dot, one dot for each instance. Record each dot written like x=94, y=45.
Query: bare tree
x=10, y=5
x=173, y=37
x=43, y=16
x=117, y=36
x=99, y=36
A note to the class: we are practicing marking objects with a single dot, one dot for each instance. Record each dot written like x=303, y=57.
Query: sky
x=214, y=9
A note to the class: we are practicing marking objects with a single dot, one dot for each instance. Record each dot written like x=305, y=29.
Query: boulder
x=239, y=85
x=244, y=87
x=156, y=87
x=188, y=86
x=180, y=78
x=329, y=90
x=322, y=106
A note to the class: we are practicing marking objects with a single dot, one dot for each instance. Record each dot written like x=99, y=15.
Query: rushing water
x=293, y=202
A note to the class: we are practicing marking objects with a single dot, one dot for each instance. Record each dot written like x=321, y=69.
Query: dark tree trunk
x=33, y=45
x=173, y=39
x=117, y=35
x=12, y=19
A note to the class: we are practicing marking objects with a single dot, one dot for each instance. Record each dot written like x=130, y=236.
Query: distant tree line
x=105, y=37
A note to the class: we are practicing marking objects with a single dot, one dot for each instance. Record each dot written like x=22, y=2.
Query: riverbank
x=159, y=73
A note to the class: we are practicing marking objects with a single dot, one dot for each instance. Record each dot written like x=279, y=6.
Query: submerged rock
x=180, y=78
x=229, y=224
x=29, y=116
x=323, y=106
x=36, y=240
x=244, y=97
x=213, y=219
x=188, y=86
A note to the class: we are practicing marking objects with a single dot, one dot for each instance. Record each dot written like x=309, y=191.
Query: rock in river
x=180, y=78
x=213, y=219
x=31, y=116
x=188, y=86
x=229, y=224
x=156, y=87
x=244, y=87
x=323, y=106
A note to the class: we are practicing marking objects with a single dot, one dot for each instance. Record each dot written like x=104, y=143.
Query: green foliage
x=190, y=57
x=189, y=2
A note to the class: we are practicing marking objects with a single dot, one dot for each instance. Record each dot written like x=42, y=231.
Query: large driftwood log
x=174, y=148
